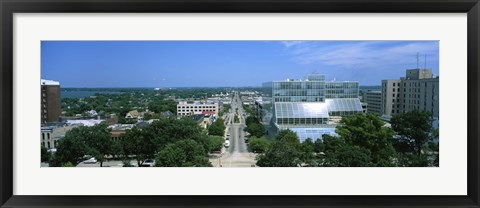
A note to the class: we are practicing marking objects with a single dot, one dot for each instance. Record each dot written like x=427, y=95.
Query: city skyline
x=119, y=64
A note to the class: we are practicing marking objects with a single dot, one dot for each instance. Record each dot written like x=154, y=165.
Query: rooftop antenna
x=417, y=59
x=425, y=67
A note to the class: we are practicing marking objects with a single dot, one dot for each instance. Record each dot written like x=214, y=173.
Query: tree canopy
x=78, y=142
x=258, y=145
x=284, y=151
x=183, y=153
x=217, y=128
x=367, y=131
x=415, y=142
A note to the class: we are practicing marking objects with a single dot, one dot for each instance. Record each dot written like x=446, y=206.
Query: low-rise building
x=84, y=122
x=50, y=135
x=132, y=114
x=185, y=108
x=118, y=130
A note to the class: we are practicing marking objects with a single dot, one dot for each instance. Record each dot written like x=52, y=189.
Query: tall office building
x=50, y=101
x=391, y=97
x=417, y=90
x=312, y=107
x=374, y=102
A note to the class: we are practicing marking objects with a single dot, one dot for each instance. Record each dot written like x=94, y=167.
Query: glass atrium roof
x=313, y=133
x=301, y=110
x=344, y=104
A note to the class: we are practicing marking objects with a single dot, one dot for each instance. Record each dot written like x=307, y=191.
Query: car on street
x=148, y=163
x=227, y=144
x=90, y=161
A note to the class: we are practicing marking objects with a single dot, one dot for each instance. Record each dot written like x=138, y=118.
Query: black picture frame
x=9, y=7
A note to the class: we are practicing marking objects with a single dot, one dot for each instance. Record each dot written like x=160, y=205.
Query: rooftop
x=49, y=82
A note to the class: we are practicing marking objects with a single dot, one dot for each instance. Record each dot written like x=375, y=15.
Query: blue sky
x=228, y=63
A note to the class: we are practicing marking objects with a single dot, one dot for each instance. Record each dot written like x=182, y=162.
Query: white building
x=185, y=108
x=419, y=90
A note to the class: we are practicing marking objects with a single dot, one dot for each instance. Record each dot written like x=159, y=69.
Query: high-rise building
x=50, y=101
x=374, y=102
x=391, y=97
x=313, y=89
x=417, y=90
x=312, y=107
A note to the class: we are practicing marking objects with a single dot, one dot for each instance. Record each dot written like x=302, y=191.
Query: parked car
x=227, y=144
x=148, y=163
x=90, y=161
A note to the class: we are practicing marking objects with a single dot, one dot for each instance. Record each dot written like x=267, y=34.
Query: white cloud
x=289, y=44
x=361, y=54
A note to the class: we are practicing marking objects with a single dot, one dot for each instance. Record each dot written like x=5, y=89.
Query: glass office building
x=298, y=91
x=341, y=90
x=307, y=106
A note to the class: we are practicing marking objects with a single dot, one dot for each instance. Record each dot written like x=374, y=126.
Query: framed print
x=248, y=104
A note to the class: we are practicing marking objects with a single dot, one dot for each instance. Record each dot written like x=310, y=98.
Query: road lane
x=237, y=154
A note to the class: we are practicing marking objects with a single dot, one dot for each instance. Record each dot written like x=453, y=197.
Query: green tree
x=98, y=142
x=415, y=139
x=71, y=148
x=217, y=128
x=251, y=119
x=330, y=146
x=368, y=132
x=162, y=106
x=45, y=155
x=183, y=153
x=258, y=144
x=256, y=129
x=337, y=153
x=352, y=156
x=319, y=146
x=134, y=142
x=414, y=127
x=215, y=143
x=284, y=151
x=117, y=149
x=308, y=155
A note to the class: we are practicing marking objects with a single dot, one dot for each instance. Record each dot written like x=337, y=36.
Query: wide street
x=237, y=155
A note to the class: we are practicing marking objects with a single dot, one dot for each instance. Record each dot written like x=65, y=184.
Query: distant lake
x=83, y=94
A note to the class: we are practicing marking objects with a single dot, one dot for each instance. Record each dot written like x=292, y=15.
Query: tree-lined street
x=237, y=154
